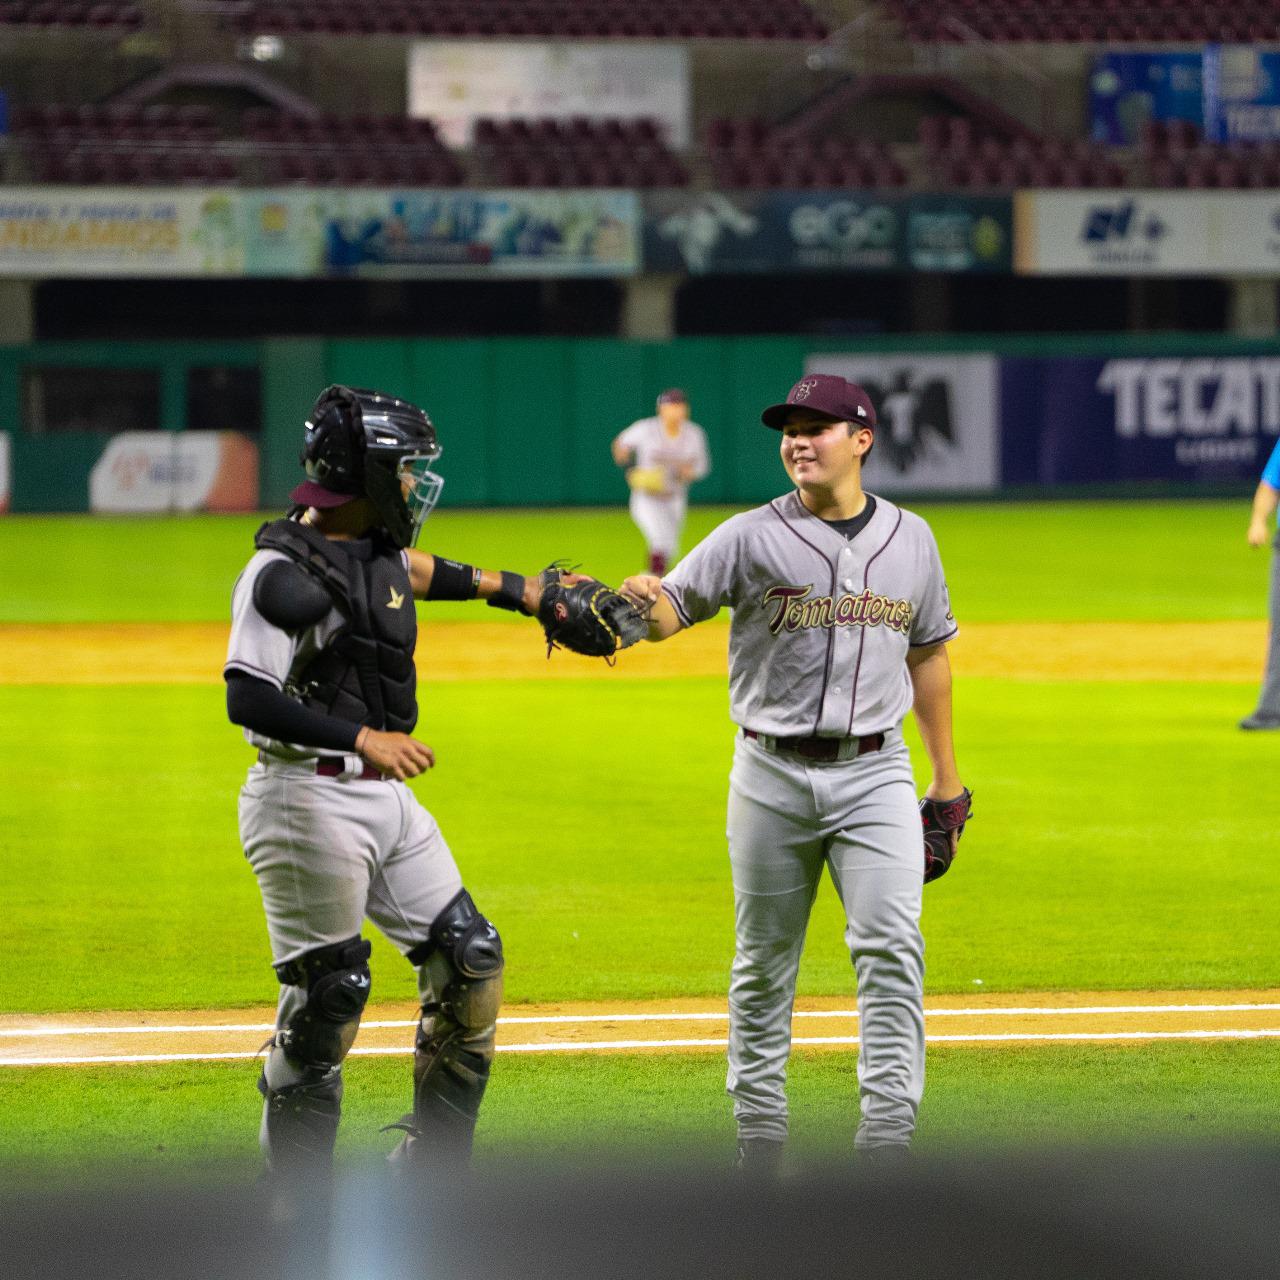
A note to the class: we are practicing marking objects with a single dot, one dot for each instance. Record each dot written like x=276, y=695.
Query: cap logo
x=862, y=413
x=804, y=389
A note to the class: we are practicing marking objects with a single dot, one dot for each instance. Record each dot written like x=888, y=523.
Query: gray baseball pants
x=1269, y=699
x=328, y=852
x=788, y=818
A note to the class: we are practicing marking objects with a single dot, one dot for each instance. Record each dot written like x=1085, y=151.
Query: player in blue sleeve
x=1267, y=713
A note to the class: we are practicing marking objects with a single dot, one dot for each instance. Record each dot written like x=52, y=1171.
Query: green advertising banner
x=728, y=233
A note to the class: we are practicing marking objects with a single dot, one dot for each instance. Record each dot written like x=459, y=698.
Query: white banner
x=1147, y=233
x=175, y=471
x=4, y=472
x=119, y=231
x=453, y=82
x=938, y=427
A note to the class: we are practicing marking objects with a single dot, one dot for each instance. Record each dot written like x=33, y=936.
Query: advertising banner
x=960, y=233
x=1139, y=419
x=1147, y=233
x=721, y=233
x=455, y=82
x=510, y=233
x=1128, y=89
x=1241, y=93
x=46, y=231
x=938, y=419
x=120, y=231
x=176, y=471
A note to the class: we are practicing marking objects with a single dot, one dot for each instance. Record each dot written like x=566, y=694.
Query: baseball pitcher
x=840, y=626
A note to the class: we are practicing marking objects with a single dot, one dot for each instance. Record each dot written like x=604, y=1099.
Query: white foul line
x=713, y=1016
x=586, y=1046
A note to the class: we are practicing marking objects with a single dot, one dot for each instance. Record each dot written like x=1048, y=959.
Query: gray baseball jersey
x=821, y=625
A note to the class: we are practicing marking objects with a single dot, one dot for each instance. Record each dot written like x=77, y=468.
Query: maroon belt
x=333, y=767
x=813, y=748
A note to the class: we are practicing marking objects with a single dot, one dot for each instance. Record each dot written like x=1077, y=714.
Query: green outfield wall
x=524, y=421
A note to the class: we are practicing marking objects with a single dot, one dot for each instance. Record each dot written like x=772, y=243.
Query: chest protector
x=365, y=674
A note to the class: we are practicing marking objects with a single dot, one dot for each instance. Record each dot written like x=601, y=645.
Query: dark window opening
x=56, y=398
x=224, y=398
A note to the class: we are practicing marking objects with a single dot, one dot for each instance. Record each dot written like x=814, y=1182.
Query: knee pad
x=336, y=980
x=472, y=952
x=454, y=1046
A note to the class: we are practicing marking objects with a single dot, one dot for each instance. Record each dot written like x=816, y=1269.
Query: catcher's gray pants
x=788, y=817
x=1269, y=699
x=330, y=851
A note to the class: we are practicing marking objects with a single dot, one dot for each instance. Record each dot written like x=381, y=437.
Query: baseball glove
x=943, y=822
x=586, y=616
x=647, y=479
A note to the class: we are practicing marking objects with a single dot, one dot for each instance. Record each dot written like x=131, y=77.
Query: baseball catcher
x=943, y=826
x=585, y=616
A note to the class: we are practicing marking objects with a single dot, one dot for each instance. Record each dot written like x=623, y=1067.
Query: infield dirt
x=193, y=652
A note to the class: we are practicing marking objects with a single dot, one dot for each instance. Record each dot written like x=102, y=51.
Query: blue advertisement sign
x=1241, y=94
x=736, y=232
x=1138, y=419
x=1128, y=89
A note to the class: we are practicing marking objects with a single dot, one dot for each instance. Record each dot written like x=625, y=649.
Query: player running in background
x=1267, y=713
x=663, y=457
x=840, y=626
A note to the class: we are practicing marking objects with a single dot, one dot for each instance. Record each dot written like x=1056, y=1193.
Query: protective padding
x=320, y=1034
x=454, y=1046
x=301, y=1122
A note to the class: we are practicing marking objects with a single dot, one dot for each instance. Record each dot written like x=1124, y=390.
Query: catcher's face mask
x=420, y=488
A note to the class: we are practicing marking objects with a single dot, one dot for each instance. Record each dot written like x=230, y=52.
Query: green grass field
x=1121, y=842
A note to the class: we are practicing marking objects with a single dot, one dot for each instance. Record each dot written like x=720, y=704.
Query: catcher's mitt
x=587, y=617
x=943, y=822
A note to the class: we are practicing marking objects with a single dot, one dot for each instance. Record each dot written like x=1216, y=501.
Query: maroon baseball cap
x=825, y=394
x=673, y=395
x=311, y=494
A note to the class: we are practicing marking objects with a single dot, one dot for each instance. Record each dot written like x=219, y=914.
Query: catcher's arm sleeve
x=260, y=706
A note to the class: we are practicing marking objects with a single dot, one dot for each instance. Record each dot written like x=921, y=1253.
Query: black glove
x=943, y=822
x=587, y=616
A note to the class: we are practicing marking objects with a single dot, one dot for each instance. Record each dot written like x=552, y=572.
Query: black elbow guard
x=453, y=581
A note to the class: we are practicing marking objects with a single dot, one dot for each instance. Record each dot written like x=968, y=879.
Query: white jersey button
x=848, y=584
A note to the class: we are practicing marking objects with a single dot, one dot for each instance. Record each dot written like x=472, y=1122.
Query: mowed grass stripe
x=194, y=652
x=170, y=1116
x=1064, y=561
x=588, y=819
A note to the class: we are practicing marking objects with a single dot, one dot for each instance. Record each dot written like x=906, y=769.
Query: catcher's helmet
x=366, y=444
